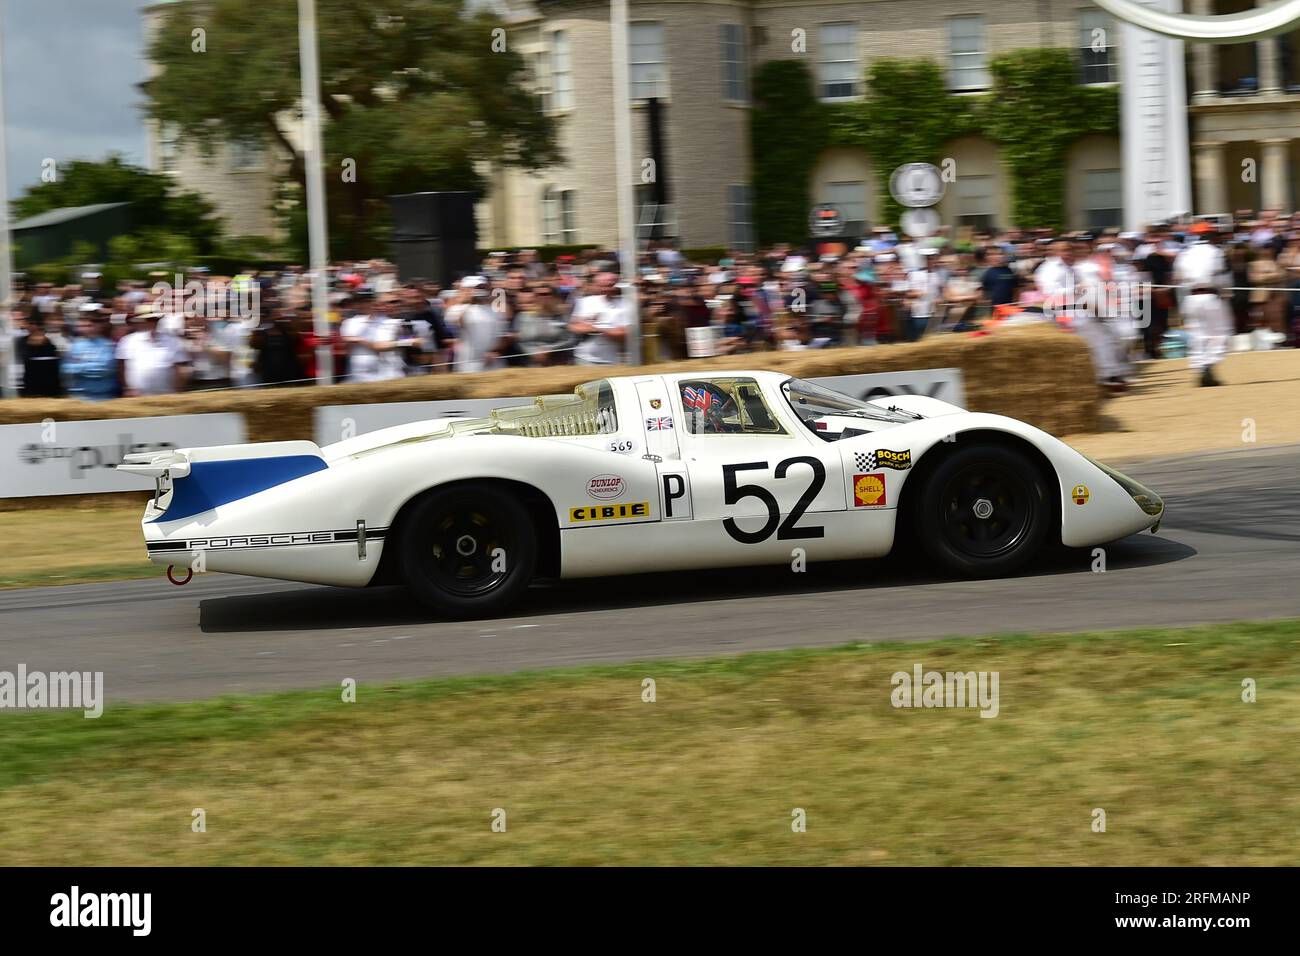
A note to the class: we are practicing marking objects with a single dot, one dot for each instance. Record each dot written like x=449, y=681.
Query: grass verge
x=1149, y=726
x=74, y=546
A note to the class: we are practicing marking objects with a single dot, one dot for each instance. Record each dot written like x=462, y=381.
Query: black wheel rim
x=986, y=510
x=469, y=548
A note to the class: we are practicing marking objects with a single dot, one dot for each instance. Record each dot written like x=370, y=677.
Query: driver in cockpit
x=706, y=405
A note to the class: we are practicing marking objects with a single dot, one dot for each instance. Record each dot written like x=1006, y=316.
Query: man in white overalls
x=1203, y=270
x=1070, y=289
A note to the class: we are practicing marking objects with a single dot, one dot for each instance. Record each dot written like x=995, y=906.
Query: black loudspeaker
x=434, y=236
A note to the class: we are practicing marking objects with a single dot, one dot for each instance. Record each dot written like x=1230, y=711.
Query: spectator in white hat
x=602, y=321
x=479, y=328
x=152, y=362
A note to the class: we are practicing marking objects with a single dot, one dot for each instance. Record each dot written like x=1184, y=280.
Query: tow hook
x=189, y=573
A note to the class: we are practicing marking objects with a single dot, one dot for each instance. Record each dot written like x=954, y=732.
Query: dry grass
x=1147, y=725
x=1166, y=413
x=72, y=546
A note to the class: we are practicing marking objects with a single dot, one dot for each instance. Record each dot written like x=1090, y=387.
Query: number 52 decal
x=733, y=492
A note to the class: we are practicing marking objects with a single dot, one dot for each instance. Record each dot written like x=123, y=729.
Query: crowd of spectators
x=257, y=329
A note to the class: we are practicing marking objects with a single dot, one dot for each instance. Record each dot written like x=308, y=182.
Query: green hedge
x=710, y=254
x=1034, y=111
x=544, y=253
x=234, y=265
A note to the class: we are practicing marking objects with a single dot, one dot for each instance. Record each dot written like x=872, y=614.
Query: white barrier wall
x=77, y=458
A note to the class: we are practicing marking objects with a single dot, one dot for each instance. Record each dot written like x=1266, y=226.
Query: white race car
x=636, y=473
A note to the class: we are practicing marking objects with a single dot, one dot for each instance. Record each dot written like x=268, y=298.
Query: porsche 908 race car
x=632, y=474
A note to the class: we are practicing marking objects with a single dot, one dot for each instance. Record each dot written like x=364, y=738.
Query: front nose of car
x=1146, y=499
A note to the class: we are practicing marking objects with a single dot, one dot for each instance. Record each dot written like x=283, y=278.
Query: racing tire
x=984, y=512
x=468, y=552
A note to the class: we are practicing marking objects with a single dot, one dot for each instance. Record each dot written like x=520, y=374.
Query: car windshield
x=818, y=408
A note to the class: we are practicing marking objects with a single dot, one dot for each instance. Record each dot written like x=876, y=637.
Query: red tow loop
x=189, y=573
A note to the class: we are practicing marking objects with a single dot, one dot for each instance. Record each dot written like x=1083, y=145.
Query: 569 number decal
x=733, y=492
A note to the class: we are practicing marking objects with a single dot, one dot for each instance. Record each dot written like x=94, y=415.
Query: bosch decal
x=883, y=458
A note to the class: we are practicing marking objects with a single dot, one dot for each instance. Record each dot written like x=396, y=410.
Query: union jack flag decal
x=659, y=424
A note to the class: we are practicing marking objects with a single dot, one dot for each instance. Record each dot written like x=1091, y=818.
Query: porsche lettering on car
x=636, y=474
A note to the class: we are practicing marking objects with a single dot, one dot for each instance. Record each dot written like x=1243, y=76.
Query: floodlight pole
x=312, y=155
x=7, y=385
x=627, y=243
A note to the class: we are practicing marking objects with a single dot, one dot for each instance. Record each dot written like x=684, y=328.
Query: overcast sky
x=70, y=74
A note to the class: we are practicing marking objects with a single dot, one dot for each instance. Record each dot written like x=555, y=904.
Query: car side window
x=726, y=406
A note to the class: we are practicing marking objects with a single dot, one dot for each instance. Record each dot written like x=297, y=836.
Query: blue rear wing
x=201, y=479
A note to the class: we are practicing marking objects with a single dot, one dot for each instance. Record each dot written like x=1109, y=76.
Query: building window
x=735, y=78
x=1103, y=201
x=246, y=155
x=559, y=216
x=541, y=73
x=654, y=220
x=967, y=54
x=168, y=147
x=850, y=199
x=1236, y=64
x=740, y=218
x=550, y=216
x=561, y=72
x=1097, y=36
x=568, y=217
x=1288, y=55
x=976, y=204
x=647, y=61
x=837, y=67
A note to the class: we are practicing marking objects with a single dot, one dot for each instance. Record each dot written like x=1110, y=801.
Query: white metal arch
x=1257, y=24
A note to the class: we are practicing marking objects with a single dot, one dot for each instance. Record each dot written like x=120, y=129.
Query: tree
x=156, y=205
x=417, y=95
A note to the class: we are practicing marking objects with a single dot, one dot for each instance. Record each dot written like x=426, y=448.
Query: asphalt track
x=1229, y=550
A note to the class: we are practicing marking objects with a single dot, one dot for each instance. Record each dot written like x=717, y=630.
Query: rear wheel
x=984, y=511
x=469, y=552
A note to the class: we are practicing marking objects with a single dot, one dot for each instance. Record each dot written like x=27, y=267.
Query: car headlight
x=1146, y=499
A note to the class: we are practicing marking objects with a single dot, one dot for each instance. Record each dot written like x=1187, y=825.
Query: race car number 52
x=732, y=492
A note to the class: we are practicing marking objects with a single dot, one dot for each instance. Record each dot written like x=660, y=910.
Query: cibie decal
x=623, y=512
x=1080, y=494
x=656, y=403
x=883, y=458
x=605, y=486
x=869, y=490
x=661, y=423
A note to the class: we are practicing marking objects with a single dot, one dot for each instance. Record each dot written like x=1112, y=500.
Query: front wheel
x=984, y=512
x=469, y=552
